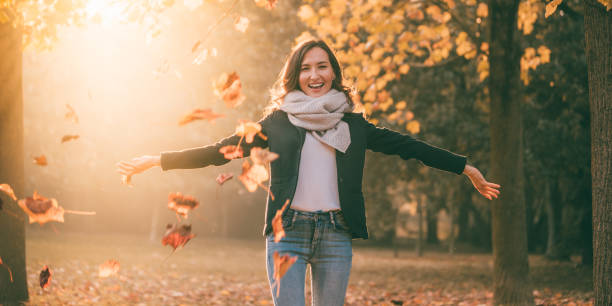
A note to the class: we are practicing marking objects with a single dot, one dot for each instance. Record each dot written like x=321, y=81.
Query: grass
x=211, y=271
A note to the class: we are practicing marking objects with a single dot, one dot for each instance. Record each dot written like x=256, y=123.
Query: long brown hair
x=289, y=77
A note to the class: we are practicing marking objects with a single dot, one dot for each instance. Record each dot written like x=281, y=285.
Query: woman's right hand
x=137, y=165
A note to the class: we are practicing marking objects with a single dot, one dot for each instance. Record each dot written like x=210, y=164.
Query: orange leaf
x=261, y=156
x=253, y=176
x=248, y=130
x=200, y=114
x=277, y=223
x=6, y=188
x=66, y=138
x=223, y=177
x=281, y=266
x=231, y=152
x=177, y=236
x=108, y=268
x=229, y=88
x=241, y=24
x=181, y=204
x=41, y=209
x=40, y=160
x=45, y=277
x=71, y=114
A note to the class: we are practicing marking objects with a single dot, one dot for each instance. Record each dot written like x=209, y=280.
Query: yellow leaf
x=400, y=105
x=482, y=10
x=377, y=54
x=381, y=83
x=307, y=15
x=551, y=7
x=305, y=36
x=403, y=69
x=544, y=53
x=413, y=127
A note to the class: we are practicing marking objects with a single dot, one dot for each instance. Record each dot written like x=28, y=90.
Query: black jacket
x=286, y=140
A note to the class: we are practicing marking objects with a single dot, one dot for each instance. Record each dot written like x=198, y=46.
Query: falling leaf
x=241, y=24
x=224, y=177
x=127, y=180
x=7, y=267
x=71, y=114
x=40, y=160
x=66, y=138
x=551, y=7
x=248, y=130
x=281, y=266
x=43, y=210
x=6, y=188
x=108, y=268
x=277, y=223
x=253, y=176
x=200, y=114
x=231, y=152
x=262, y=156
x=45, y=277
x=268, y=4
x=229, y=88
x=177, y=236
x=181, y=204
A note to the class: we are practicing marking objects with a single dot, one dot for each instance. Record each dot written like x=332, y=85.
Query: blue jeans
x=318, y=239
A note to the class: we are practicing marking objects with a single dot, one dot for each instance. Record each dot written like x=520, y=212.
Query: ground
x=211, y=271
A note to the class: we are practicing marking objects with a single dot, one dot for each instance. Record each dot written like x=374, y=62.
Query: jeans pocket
x=340, y=223
x=287, y=222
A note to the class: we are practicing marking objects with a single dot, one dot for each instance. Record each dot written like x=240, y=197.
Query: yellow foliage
x=544, y=53
x=370, y=95
x=386, y=104
x=400, y=105
x=551, y=7
x=482, y=10
x=483, y=67
x=528, y=14
x=302, y=38
x=413, y=127
x=403, y=69
x=381, y=83
x=415, y=13
x=307, y=15
x=377, y=54
x=337, y=7
x=450, y=4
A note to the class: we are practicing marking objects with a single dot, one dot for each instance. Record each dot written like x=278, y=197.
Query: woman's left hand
x=487, y=189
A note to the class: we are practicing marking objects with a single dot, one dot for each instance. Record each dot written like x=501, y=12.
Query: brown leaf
x=248, y=130
x=181, y=204
x=281, y=266
x=223, y=177
x=40, y=160
x=108, y=268
x=200, y=114
x=261, y=156
x=231, y=152
x=41, y=209
x=253, y=176
x=66, y=138
x=45, y=277
x=6, y=188
x=277, y=223
x=71, y=114
x=229, y=88
x=177, y=236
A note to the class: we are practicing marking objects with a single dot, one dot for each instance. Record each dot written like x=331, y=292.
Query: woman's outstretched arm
x=487, y=189
x=138, y=164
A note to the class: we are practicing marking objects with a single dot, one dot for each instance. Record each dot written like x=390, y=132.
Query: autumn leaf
x=127, y=180
x=71, y=114
x=229, y=88
x=42, y=210
x=281, y=266
x=177, y=236
x=66, y=138
x=181, y=204
x=277, y=223
x=268, y=4
x=200, y=114
x=551, y=7
x=231, y=152
x=8, y=268
x=224, y=177
x=40, y=160
x=241, y=24
x=45, y=277
x=413, y=127
x=108, y=268
x=6, y=188
x=248, y=130
x=253, y=176
x=261, y=156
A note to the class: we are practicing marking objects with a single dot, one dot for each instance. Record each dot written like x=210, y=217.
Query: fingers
x=125, y=168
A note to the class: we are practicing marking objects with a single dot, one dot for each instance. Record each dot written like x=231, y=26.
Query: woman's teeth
x=316, y=85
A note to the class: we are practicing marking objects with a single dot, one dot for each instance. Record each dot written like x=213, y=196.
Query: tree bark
x=598, y=35
x=12, y=219
x=432, y=226
x=555, y=247
x=511, y=268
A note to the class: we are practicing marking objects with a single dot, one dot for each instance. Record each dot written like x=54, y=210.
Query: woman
x=321, y=145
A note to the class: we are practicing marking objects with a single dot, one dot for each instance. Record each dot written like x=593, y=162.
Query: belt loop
x=294, y=216
x=332, y=217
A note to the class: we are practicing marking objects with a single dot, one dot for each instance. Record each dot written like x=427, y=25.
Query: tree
x=12, y=226
x=598, y=37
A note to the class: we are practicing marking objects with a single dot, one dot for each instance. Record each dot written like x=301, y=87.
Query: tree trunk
x=12, y=219
x=555, y=248
x=510, y=268
x=432, y=226
x=419, y=244
x=598, y=35
x=452, y=211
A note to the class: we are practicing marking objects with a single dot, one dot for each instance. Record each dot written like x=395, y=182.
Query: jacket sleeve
x=209, y=155
x=393, y=143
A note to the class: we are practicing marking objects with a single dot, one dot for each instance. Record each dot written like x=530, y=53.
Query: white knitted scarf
x=321, y=116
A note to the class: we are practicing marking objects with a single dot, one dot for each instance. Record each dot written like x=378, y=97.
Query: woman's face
x=316, y=73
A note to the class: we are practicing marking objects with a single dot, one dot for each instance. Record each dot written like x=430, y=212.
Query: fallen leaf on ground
x=231, y=152
x=40, y=160
x=281, y=266
x=200, y=114
x=177, y=236
x=66, y=138
x=108, y=268
x=45, y=277
x=71, y=114
x=229, y=88
x=6, y=188
x=277, y=223
x=181, y=204
x=224, y=177
x=261, y=156
x=7, y=267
